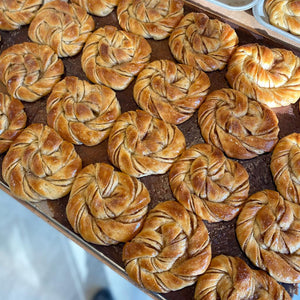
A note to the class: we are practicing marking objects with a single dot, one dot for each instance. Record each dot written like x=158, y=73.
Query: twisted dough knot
x=141, y=145
x=29, y=70
x=107, y=207
x=271, y=76
x=171, y=251
x=202, y=42
x=231, y=278
x=99, y=8
x=82, y=113
x=64, y=27
x=12, y=120
x=204, y=181
x=113, y=57
x=268, y=230
x=239, y=126
x=285, y=167
x=284, y=14
x=150, y=19
x=170, y=91
x=40, y=165
x=15, y=13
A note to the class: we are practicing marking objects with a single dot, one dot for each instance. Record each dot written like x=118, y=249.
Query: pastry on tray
x=285, y=167
x=241, y=127
x=105, y=206
x=150, y=19
x=170, y=252
x=140, y=144
x=82, y=113
x=113, y=57
x=15, y=13
x=12, y=120
x=270, y=76
x=40, y=165
x=268, y=231
x=29, y=70
x=203, y=42
x=170, y=91
x=204, y=181
x=99, y=8
x=231, y=278
x=63, y=26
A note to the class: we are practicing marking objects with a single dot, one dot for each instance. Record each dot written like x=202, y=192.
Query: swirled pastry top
x=268, y=230
x=271, y=76
x=12, y=120
x=99, y=8
x=169, y=91
x=40, y=165
x=141, y=145
x=231, y=278
x=285, y=167
x=64, y=27
x=113, y=57
x=204, y=181
x=82, y=113
x=171, y=251
x=241, y=127
x=15, y=13
x=107, y=207
x=29, y=70
x=284, y=14
x=202, y=42
x=150, y=19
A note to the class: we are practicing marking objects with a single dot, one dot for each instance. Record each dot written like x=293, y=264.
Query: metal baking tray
x=222, y=234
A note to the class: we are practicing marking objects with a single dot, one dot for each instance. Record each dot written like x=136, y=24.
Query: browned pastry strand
x=270, y=76
x=231, y=278
x=141, y=145
x=64, y=27
x=12, y=120
x=204, y=43
x=241, y=127
x=170, y=252
x=268, y=230
x=15, y=13
x=99, y=8
x=113, y=57
x=30, y=70
x=285, y=167
x=40, y=165
x=82, y=113
x=284, y=14
x=150, y=19
x=107, y=207
x=169, y=91
x=204, y=181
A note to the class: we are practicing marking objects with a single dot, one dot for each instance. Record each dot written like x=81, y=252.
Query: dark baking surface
x=222, y=234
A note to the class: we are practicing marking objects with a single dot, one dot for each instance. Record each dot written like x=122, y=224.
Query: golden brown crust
x=64, y=27
x=150, y=19
x=113, y=57
x=12, y=120
x=82, y=113
x=204, y=43
x=171, y=251
x=241, y=127
x=204, y=181
x=285, y=167
x=107, y=207
x=270, y=76
x=99, y=8
x=141, y=145
x=268, y=230
x=40, y=165
x=30, y=70
x=169, y=91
